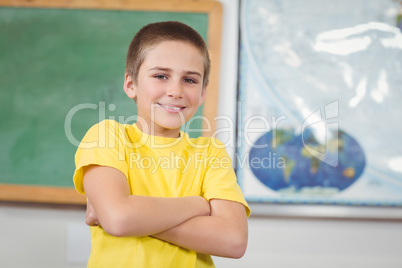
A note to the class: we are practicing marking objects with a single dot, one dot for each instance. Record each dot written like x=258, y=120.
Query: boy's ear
x=129, y=86
x=203, y=95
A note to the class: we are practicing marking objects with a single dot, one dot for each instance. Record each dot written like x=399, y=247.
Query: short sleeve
x=220, y=179
x=102, y=145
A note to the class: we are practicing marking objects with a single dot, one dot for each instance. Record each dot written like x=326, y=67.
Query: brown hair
x=155, y=33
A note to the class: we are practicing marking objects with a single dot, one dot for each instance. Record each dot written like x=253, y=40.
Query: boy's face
x=169, y=87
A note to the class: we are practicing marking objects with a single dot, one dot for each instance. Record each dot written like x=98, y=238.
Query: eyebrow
x=170, y=70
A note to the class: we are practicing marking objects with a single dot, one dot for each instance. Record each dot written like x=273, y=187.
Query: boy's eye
x=160, y=76
x=189, y=80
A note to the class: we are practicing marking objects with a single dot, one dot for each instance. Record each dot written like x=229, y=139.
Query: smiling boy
x=178, y=214
x=169, y=87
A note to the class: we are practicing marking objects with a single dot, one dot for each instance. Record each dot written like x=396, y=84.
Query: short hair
x=155, y=33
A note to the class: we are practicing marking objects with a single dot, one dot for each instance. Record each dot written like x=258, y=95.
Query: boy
x=157, y=198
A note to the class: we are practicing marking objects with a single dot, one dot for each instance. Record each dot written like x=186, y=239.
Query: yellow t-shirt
x=154, y=166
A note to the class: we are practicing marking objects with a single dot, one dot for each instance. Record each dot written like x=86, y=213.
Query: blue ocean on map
x=286, y=162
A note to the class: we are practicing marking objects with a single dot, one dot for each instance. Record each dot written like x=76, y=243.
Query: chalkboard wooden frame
x=213, y=9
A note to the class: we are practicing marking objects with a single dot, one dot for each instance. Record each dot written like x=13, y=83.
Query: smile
x=171, y=108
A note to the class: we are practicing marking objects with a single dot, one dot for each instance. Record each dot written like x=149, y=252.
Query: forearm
x=144, y=215
x=123, y=214
x=213, y=235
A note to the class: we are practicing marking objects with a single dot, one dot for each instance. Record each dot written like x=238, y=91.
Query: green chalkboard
x=62, y=68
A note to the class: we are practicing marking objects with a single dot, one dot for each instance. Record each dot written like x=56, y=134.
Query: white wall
x=306, y=243
x=44, y=237
x=38, y=237
x=49, y=237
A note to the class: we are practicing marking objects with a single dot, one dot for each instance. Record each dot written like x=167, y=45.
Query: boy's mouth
x=171, y=108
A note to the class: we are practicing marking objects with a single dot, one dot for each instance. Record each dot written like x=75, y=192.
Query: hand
x=91, y=219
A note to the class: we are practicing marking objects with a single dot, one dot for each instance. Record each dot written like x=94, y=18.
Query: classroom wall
x=48, y=237
x=42, y=237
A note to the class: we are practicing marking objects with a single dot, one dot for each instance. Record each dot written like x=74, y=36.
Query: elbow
x=115, y=229
x=116, y=224
x=238, y=246
x=238, y=249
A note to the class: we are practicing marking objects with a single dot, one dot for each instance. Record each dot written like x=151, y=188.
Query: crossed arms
x=218, y=227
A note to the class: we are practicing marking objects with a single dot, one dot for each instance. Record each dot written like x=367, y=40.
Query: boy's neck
x=167, y=133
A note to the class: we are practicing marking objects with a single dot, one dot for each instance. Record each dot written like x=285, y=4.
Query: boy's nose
x=174, y=90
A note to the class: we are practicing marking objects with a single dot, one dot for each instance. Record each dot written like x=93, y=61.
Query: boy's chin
x=171, y=122
x=171, y=126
